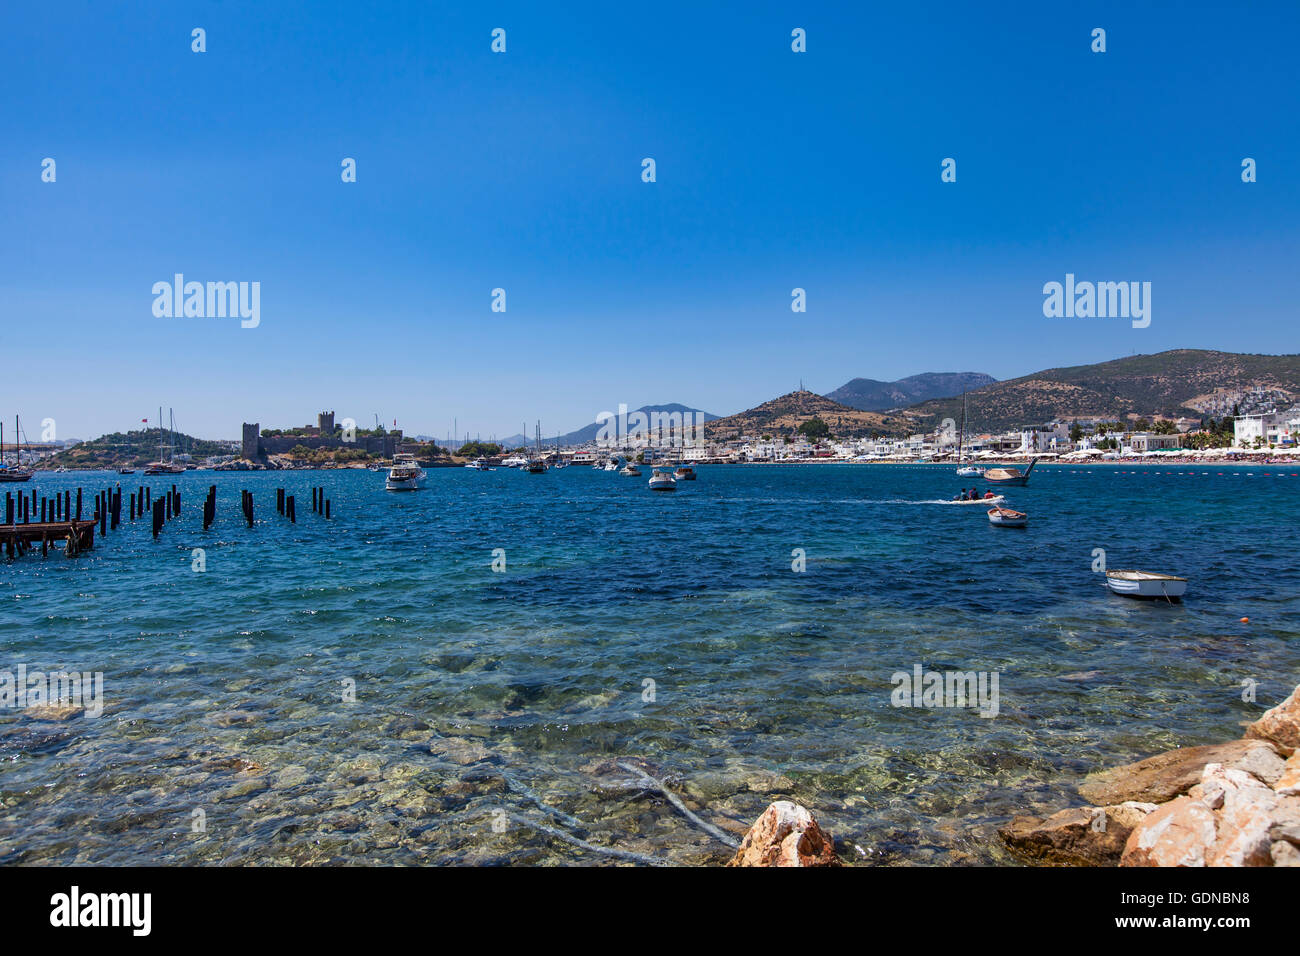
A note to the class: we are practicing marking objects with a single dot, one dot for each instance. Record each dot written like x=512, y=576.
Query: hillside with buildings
x=1183, y=383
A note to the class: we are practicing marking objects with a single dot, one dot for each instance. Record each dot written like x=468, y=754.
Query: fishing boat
x=1146, y=584
x=662, y=480
x=611, y=465
x=631, y=470
x=14, y=472
x=1008, y=518
x=126, y=471
x=478, y=464
x=405, y=475
x=1010, y=476
x=684, y=473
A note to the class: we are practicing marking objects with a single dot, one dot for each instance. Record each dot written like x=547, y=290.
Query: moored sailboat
x=965, y=471
x=14, y=472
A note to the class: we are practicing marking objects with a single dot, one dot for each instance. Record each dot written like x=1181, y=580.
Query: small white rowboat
x=1006, y=518
x=1146, y=584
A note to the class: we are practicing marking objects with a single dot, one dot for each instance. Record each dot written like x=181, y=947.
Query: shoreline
x=1124, y=462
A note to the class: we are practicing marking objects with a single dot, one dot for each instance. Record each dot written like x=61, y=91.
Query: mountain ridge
x=873, y=395
x=587, y=433
x=1190, y=383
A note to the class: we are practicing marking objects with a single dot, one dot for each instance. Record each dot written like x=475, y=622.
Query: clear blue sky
x=477, y=170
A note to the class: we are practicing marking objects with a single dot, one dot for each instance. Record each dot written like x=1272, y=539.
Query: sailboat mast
x=961, y=435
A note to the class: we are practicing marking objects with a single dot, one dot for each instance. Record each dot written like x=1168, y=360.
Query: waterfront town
x=666, y=438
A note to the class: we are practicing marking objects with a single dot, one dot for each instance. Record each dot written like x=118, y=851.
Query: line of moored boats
x=1125, y=582
x=406, y=473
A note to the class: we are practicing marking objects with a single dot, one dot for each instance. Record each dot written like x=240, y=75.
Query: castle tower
x=251, y=442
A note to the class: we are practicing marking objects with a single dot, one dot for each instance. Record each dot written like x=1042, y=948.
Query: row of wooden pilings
x=60, y=517
x=286, y=505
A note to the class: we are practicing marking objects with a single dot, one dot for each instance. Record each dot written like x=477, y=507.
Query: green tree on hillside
x=476, y=449
x=814, y=428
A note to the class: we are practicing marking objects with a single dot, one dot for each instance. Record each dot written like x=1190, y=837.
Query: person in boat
x=974, y=494
x=960, y=497
x=989, y=494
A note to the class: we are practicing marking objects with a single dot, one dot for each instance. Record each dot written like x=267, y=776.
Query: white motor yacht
x=405, y=475
x=662, y=480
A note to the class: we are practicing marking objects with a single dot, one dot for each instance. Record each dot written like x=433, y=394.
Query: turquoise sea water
x=483, y=698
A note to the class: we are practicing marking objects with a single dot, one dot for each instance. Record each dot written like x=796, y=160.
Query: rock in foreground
x=1280, y=724
x=786, y=835
x=1172, y=774
x=1080, y=836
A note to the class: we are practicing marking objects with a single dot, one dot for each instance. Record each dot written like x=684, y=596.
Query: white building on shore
x=1268, y=428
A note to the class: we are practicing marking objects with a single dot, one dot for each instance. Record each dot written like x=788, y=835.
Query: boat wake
x=944, y=501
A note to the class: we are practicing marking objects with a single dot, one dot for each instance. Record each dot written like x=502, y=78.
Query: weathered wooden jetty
x=77, y=536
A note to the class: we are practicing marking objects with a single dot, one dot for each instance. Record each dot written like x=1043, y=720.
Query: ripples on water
x=481, y=696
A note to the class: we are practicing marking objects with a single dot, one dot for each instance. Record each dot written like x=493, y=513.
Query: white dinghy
x=1008, y=518
x=1146, y=584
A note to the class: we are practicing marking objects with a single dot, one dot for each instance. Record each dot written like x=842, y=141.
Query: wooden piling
x=157, y=516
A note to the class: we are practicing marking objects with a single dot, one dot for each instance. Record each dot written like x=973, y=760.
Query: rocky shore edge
x=1229, y=804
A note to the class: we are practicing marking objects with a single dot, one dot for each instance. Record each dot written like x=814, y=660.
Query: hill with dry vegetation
x=781, y=417
x=1187, y=383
